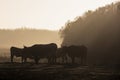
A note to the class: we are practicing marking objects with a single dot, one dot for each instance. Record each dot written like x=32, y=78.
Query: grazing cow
x=39, y=51
x=16, y=52
x=76, y=51
x=61, y=55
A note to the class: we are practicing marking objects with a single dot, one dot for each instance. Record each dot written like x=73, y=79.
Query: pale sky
x=44, y=14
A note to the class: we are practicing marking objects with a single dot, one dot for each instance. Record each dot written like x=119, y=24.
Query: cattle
x=16, y=52
x=76, y=52
x=39, y=51
x=60, y=54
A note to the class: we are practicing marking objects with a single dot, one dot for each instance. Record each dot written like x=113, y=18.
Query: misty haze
x=84, y=48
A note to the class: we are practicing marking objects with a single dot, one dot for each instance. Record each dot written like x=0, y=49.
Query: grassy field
x=42, y=71
x=31, y=71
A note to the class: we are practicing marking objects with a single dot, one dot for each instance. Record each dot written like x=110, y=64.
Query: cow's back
x=42, y=50
x=45, y=47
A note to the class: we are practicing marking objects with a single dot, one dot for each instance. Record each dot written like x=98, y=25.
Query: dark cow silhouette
x=61, y=55
x=39, y=51
x=16, y=52
x=76, y=51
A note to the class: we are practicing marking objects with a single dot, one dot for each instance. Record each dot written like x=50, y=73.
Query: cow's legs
x=22, y=59
x=25, y=59
x=83, y=60
x=36, y=60
x=73, y=60
x=53, y=59
x=64, y=59
x=48, y=59
x=12, y=58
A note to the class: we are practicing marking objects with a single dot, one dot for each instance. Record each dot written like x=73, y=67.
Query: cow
x=39, y=51
x=16, y=52
x=76, y=52
x=61, y=55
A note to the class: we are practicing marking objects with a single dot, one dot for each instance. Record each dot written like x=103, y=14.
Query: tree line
x=99, y=30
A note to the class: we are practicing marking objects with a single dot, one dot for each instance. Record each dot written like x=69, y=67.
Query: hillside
x=27, y=37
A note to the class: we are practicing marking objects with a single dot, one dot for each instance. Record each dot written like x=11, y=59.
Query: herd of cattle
x=51, y=52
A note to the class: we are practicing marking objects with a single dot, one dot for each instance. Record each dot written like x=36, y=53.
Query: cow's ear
x=24, y=46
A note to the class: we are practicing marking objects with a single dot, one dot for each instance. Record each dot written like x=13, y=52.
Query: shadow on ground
x=30, y=71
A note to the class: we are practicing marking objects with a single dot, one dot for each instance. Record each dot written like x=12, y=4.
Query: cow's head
x=25, y=46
